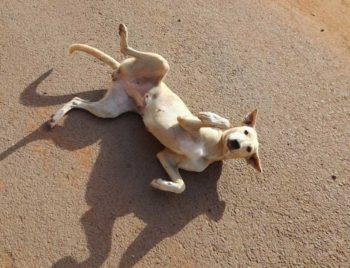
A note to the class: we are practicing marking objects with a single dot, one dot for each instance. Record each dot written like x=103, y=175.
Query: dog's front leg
x=169, y=161
x=214, y=120
x=190, y=123
x=203, y=119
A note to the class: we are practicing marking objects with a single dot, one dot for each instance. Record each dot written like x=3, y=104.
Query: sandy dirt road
x=79, y=195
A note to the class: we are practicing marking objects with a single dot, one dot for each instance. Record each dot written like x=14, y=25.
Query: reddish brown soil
x=79, y=195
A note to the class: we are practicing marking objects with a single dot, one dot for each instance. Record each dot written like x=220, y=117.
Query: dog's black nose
x=233, y=144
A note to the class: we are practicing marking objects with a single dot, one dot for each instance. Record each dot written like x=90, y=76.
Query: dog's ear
x=255, y=162
x=250, y=119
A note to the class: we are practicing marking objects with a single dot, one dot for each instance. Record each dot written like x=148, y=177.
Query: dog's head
x=242, y=142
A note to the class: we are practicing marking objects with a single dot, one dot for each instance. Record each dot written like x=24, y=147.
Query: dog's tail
x=96, y=53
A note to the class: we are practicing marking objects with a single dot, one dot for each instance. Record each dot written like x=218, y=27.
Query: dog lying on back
x=192, y=141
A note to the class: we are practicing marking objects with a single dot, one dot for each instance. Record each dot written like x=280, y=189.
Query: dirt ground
x=79, y=195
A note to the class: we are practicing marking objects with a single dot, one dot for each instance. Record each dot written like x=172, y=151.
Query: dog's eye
x=249, y=149
x=246, y=132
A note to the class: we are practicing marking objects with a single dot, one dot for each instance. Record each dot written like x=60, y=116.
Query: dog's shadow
x=119, y=181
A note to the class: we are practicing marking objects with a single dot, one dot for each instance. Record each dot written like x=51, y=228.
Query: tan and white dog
x=192, y=142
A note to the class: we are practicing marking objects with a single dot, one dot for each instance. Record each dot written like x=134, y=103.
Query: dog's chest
x=162, y=108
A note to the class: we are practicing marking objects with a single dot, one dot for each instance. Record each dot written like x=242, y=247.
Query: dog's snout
x=233, y=144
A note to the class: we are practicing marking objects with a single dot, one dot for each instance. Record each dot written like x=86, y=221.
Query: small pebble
x=179, y=20
x=334, y=177
x=322, y=30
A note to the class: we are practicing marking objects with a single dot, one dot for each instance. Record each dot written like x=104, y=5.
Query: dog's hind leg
x=150, y=66
x=169, y=161
x=114, y=103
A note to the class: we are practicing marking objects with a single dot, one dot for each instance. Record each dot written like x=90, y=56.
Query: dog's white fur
x=192, y=142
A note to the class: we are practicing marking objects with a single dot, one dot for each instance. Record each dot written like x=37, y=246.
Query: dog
x=192, y=142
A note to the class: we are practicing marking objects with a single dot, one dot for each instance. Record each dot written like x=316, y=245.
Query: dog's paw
x=161, y=184
x=214, y=120
x=55, y=118
x=51, y=123
x=168, y=186
x=123, y=30
x=157, y=183
x=208, y=117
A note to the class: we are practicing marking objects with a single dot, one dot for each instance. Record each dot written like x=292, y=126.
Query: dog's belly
x=162, y=107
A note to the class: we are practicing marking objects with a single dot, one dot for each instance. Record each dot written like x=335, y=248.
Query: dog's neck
x=215, y=145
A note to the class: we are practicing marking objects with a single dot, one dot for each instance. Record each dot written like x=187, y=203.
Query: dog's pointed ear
x=254, y=161
x=250, y=119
